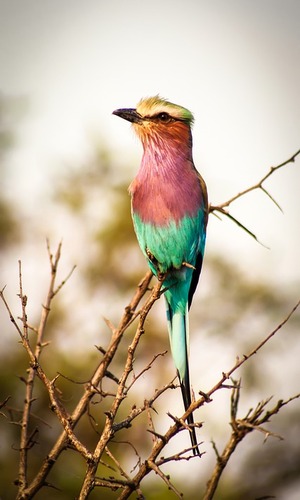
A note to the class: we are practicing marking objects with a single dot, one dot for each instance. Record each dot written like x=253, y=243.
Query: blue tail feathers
x=178, y=333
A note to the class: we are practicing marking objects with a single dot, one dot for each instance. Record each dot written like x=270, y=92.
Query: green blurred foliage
x=9, y=227
x=231, y=307
x=11, y=109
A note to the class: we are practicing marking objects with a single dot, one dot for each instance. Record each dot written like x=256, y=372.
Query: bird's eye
x=164, y=117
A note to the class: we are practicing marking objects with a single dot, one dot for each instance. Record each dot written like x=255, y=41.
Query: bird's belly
x=169, y=246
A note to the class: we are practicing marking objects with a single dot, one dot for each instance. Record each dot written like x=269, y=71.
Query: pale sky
x=235, y=64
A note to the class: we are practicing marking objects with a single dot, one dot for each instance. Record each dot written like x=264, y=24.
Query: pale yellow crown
x=151, y=106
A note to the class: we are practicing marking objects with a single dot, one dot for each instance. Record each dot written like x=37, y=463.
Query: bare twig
x=258, y=185
x=240, y=428
x=34, y=356
x=223, y=207
x=144, y=370
x=117, y=464
x=164, y=477
x=3, y=404
x=240, y=362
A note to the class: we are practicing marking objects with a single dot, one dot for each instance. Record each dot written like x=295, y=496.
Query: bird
x=169, y=207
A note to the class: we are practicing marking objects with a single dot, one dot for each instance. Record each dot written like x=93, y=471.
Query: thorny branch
x=109, y=430
x=69, y=421
x=223, y=207
x=179, y=424
x=34, y=359
x=124, y=481
x=240, y=428
x=34, y=356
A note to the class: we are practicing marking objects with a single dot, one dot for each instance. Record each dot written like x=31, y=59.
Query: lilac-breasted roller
x=170, y=211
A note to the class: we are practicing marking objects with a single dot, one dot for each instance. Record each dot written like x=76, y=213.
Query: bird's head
x=155, y=119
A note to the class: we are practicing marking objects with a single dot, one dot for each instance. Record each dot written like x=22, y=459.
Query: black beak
x=129, y=114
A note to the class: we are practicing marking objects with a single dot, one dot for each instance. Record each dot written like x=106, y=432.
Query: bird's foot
x=187, y=264
x=159, y=274
x=151, y=257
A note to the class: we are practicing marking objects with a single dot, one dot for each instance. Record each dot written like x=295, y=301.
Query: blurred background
x=65, y=164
